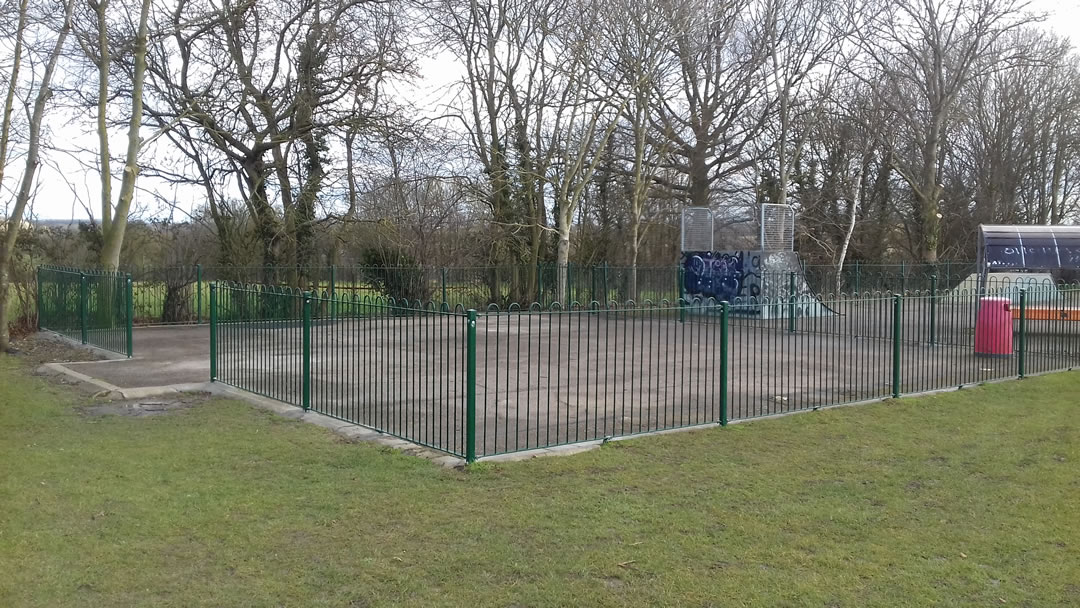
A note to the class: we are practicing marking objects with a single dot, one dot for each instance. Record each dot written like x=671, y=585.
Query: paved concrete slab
x=547, y=379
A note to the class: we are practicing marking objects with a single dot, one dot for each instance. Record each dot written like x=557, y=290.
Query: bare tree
x=114, y=219
x=721, y=105
x=262, y=87
x=33, y=149
x=920, y=55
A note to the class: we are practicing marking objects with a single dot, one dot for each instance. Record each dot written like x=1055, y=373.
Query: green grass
x=963, y=499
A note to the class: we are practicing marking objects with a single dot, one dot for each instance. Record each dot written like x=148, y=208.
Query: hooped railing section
x=479, y=383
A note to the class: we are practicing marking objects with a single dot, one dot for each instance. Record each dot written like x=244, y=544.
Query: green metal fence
x=180, y=294
x=480, y=383
x=90, y=306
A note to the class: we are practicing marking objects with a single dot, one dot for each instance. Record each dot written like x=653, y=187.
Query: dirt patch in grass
x=145, y=407
x=39, y=348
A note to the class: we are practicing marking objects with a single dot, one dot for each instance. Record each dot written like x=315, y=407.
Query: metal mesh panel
x=697, y=229
x=777, y=228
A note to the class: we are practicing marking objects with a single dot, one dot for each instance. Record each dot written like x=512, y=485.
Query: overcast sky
x=57, y=179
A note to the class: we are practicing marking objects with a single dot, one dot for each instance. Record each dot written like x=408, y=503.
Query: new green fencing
x=480, y=383
x=169, y=295
x=89, y=306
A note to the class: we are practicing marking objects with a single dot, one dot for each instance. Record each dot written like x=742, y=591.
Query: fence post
x=333, y=291
x=445, y=302
x=791, y=302
x=40, y=296
x=607, y=294
x=1020, y=360
x=82, y=307
x=213, y=331
x=903, y=277
x=129, y=296
x=858, y=277
x=540, y=284
x=470, y=388
x=306, y=381
x=897, y=329
x=569, y=284
x=680, y=280
x=198, y=294
x=723, y=363
x=933, y=309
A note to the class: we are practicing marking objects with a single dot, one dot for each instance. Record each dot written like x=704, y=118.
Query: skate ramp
x=1040, y=286
x=757, y=283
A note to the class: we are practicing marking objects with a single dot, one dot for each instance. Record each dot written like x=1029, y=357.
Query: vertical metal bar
x=723, y=363
x=897, y=307
x=213, y=331
x=858, y=277
x=540, y=284
x=444, y=300
x=333, y=291
x=680, y=287
x=82, y=307
x=306, y=373
x=470, y=388
x=569, y=284
x=607, y=294
x=198, y=294
x=1021, y=356
x=40, y=297
x=791, y=302
x=933, y=309
x=129, y=297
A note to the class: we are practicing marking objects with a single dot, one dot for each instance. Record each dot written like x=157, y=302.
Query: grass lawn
x=963, y=499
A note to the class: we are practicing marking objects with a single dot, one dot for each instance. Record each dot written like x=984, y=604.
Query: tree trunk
x=635, y=248
x=113, y=235
x=562, y=258
x=929, y=192
x=22, y=198
x=102, y=105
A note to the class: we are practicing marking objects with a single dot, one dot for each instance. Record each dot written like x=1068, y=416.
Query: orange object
x=1045, y=313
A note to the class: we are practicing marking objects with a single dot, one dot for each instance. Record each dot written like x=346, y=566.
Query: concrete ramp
x=1041, y=287
x=756, y=283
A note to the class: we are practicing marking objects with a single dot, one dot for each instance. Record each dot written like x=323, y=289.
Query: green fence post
x=791, y=302
x=858, y=277
x=933, y=309
x=306, y=381
x=470, y=388
x=40, y=296
x=897, y=329
x=444, y=299
x=569, y=284
x=607, y=294
x=129, y=296
x=333, y=291
x=83, y=330
x=723, y=363
x=198, y=294
x=680, y=281
x=540, y=284
x=903, y=277
x=1020, y=360
x=213, y=331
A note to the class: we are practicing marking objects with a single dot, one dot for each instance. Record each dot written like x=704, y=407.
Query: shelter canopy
x=1028, y=247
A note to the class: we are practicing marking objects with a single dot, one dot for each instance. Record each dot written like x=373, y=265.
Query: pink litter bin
x=994, y=328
